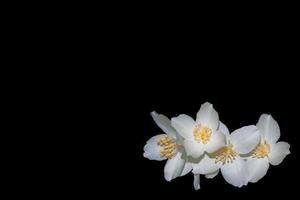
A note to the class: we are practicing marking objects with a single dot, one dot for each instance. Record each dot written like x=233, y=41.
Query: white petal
x=278, y=152
x=269, y=128
x=216, y=141
x=152, y=149
x=197, y=181
x=184, y=125
x=193, y=148
x=206, y=165
x=223, y=128
x=235, y=173
x=212, y=175
x=153, y=140
x=174, y=167
x=257, y=168
x=245, y=139
x=187, y=168
x=208, y=115
x=164, y=123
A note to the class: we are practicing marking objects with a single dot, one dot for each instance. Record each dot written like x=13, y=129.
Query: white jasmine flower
x=201, y=135
x=233, y=166
x=167, y=146
x=206, y=147
x=268, y=150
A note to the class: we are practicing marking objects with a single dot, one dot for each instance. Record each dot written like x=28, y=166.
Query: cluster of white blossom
x=204, y=147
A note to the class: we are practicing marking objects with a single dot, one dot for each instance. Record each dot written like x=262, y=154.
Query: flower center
x=226, y=154
x=168, y=146
x=262, y=150
x=202, y=133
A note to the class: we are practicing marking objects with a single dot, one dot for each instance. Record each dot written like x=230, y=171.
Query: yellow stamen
x=168, y=146
x=226, y=154
x=202, y=133
x=262, y=150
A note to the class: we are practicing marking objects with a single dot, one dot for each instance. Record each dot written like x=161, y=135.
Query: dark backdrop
x=242, y=75
x=123, y=64
x=240, y=95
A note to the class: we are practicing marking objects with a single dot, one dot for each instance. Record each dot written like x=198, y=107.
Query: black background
x=240, y=94
x=243, y=72
x=124, y=63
